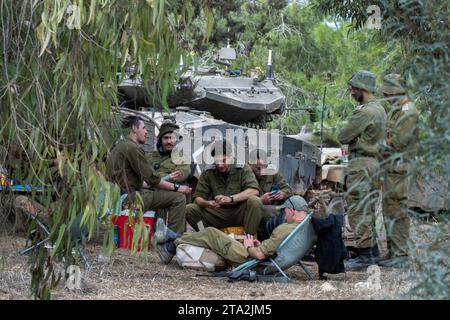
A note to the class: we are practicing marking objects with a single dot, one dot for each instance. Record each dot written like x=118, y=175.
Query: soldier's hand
x=184, y=189
x=278, y=196
x=213, y=204
x=221, y=199
x=175, y=175
x=248, y=241
x=266, y=198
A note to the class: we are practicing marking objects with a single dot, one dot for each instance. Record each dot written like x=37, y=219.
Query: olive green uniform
x=402, y=135
x=232, y=250
x=265, y=185
x=212, y=183
x=128, y=167
x=364, y=133
x=163, y=165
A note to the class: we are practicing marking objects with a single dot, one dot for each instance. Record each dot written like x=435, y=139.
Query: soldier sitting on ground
x=128, y=167
x=233, y=251
x=162, y=161
x=226, y=194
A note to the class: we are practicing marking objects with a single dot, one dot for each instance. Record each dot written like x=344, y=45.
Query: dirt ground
x=128, y=276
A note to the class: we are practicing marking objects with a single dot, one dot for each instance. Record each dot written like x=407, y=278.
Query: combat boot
x=166, y=251
x=401, y=262
x=364, y=260
x=163, y=233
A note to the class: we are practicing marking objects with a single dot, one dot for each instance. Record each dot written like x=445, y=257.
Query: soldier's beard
x=358, y=96
x=225, y=168
x=168, y=147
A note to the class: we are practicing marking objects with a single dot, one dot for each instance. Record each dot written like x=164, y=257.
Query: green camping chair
x=290, y=252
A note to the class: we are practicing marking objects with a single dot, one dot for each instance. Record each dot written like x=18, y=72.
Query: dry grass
x=133, y=277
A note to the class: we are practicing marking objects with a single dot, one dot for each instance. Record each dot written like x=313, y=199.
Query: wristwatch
x=232, y=199
x=176, y=186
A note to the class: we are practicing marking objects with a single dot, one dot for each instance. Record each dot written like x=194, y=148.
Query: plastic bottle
x=116, y=236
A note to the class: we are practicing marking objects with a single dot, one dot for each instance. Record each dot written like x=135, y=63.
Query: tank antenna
x=269, y=74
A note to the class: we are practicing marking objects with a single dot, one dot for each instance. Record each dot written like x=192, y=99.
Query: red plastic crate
x=126, y=238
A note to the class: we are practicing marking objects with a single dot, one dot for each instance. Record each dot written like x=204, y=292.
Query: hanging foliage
x=60, y=65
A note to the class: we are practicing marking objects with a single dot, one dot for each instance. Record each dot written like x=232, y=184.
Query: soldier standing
x=128, y=167
x=161, y=160
x=401, y=142
x=226, y=194
x=364, y=133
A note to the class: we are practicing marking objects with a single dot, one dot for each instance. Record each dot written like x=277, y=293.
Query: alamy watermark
x=74, y=280
x=374, y=20
x=195, y=146
x=373, y=282
x=73, y=20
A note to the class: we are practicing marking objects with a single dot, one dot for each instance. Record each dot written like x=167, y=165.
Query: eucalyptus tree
x=60, y=64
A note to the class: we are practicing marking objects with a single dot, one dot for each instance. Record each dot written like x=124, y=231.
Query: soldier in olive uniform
x=401, y=144
x=228, y=248
x=364, y=133
x=128, y=167
x=226, y=194
x=161, y=160
x=273, y=189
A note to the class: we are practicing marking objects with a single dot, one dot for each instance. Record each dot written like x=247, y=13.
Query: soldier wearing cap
x=228, y=248
x=401, y=145
x=273, y=189
x=226, y=194
x=161, y=160
x=127, y=167
x=364, y=134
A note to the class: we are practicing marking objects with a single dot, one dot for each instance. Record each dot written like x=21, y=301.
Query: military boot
x=364, y=260
x=163, y=233
x=166, y=251
x=395, y=262
x=376, y=253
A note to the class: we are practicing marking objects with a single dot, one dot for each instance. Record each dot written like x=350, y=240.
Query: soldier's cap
x=257, y=154
x=221, y=147
x=167, y=127
x=363, y=79
x=296, y=203
x=392, y=84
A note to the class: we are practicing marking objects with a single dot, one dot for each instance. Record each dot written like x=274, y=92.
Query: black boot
x=364, y=260
x=375, y=251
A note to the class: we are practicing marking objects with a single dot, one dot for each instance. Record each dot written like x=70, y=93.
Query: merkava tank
x=224, y=93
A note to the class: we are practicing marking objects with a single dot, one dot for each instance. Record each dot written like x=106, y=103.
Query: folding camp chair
x=78, y=232
x=298, y=243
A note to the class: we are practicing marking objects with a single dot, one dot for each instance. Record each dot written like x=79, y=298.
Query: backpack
x=193, y=257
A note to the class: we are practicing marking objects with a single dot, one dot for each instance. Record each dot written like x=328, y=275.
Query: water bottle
x=116, y=236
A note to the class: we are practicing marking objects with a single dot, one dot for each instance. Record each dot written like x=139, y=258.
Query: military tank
x=226, y=94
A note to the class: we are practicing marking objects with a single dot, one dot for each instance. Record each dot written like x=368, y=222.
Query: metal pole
x=321, y=119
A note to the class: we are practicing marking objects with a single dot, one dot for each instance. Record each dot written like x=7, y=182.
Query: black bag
x=330, y=250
